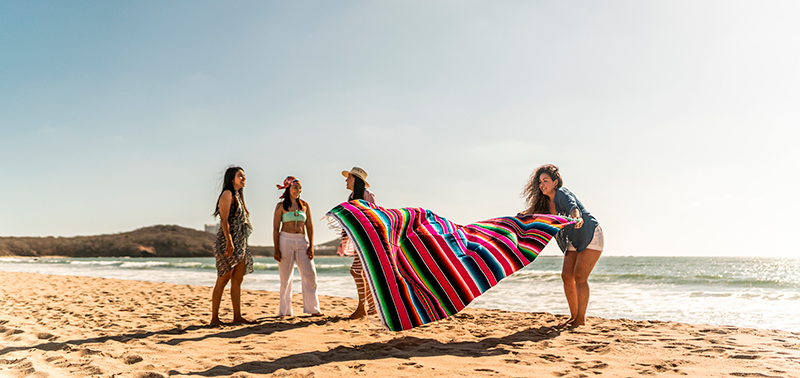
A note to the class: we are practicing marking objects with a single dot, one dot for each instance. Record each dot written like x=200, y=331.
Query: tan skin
x=293, y=227
x=577, y=266
x=235, y=276
x=360, y=311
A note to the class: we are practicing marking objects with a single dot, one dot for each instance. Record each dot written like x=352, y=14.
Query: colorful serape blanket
x=422, y=268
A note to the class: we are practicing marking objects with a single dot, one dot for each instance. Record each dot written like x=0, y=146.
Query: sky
x=675, y=123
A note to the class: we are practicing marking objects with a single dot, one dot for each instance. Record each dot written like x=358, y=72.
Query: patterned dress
x=240, y=229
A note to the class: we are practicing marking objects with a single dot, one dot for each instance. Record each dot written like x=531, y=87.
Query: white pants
x=293, y=250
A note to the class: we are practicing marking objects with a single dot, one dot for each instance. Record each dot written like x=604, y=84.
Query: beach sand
x=66, y=326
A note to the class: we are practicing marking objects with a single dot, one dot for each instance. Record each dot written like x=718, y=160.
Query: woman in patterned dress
x=234, y=260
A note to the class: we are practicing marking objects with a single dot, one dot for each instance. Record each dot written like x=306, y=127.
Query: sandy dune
x=65, y=326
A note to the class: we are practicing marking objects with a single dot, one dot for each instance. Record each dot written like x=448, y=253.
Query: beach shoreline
x=60, y=326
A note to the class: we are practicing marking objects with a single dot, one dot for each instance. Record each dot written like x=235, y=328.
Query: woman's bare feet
x=568, y=323
x=215, y=322
x=359, y=312
x=577, y=323
x=242, y=321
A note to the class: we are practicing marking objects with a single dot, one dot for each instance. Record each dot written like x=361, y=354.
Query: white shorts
x=597, y=243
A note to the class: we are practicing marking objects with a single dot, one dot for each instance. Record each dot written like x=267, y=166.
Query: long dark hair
x=227, y=184
x=537, y=202
x=358, y=188
x=287, y=200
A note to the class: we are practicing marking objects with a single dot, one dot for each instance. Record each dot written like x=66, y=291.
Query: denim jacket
x=565, y=201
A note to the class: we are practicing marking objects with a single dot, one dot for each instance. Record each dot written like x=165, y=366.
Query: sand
x=65, y=326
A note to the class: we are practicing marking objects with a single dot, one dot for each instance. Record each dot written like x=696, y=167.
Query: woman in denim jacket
x=582, y=242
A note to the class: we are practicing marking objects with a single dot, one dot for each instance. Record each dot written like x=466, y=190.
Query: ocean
x=745, y=292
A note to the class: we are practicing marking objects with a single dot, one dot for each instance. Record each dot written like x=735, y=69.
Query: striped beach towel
x=422, y=268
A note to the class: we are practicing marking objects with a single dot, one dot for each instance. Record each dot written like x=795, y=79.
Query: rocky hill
x=153, y=241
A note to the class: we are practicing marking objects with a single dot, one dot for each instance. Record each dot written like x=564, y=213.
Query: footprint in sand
x=12, y=331
x=91, y=370
x=23, y=368
x=359, y=367
x=744, y=356
x=148, y=374
x=409, y=364
x=516, y=361
x=46, y=336
x=720, y=350
x=718, y=331
x=594, y=347
x=57, y=361
x=131, y=359
x=661, y=367
x=550, y=358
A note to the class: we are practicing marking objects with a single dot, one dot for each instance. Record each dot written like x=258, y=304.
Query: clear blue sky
x=675, y=123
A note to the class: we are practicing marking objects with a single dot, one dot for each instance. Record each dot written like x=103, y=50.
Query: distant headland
x=153, y=241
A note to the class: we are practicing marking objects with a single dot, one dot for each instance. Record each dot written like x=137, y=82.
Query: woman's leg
x=570, y=290
x=236, y=291
x=308, y=279
x=285, y=271
x=583, y=268
x=216, y=296
x=356, y=272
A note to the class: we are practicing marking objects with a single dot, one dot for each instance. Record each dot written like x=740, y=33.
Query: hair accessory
x=287, y=182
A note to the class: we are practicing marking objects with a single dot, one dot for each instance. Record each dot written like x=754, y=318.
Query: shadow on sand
x=262, y=326
x=403, y=348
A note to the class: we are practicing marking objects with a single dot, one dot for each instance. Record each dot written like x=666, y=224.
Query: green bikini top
x=294, y=216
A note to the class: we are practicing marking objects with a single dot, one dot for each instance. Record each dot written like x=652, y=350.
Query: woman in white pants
x=291, y=223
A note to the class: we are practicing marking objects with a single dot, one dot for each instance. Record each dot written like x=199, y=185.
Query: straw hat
x=358, y=172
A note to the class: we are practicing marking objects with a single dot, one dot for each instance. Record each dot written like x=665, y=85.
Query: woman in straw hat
x=291, y=223
x=356, y=179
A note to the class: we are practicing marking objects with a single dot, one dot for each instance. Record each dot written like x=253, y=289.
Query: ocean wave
x=191, y=265
x=144, y=264
x=320, y=268
x=333, y=267
x=713, y=280
x=96, y=262
x=12, y=260
x=532, y=275
x=263, y=266
x=708, y=294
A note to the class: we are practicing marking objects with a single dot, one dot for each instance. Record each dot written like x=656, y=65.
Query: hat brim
x=348, y=173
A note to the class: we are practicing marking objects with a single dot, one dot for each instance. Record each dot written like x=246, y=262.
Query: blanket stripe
x=421, y=267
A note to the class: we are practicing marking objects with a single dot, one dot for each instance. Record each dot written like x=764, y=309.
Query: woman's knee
x=581, y=278
x=237, y=281
x=223, y=279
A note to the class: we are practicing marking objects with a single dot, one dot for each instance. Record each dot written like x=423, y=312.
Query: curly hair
x=537, y=202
